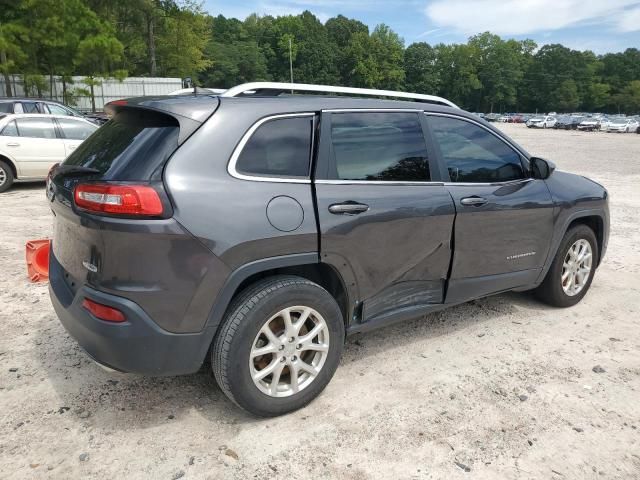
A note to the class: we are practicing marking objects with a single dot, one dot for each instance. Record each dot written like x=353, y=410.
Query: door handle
x=348, y=208
x=72, y=147
x=473, y=201
x=13, y=144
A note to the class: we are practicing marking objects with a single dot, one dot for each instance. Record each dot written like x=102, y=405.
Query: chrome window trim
x=372, y=110
x=377, y=182
x=231, y=166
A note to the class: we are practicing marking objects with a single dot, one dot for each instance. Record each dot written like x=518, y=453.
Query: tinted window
x=10, y=130
x=280, y=147
x=134, y=145
x=474, y=155
x=74, y=129
x=6, y=107
x=379, y=146
x=36, y=127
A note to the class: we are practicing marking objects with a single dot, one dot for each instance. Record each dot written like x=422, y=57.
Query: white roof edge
x=306, y=87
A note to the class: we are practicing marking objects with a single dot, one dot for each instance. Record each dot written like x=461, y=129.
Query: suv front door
x=385, y=219
x=504, y=218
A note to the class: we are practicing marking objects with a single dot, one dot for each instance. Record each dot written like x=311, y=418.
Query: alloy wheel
x=289, y=351
x=576, y=267
x=3, y=176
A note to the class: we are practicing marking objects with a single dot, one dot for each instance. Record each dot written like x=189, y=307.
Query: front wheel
x=278, y=346
x=572, y=270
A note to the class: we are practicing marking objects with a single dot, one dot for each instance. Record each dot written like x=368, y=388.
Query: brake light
x=103, y=312
x=134, y=200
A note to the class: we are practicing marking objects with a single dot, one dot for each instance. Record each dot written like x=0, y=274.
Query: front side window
x=474, y=155
x=278, y=148
x=36, y=127
x=378, y=146
x=10, y=130
x=74, y=129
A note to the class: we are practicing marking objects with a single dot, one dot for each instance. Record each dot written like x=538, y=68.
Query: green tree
x=565, y=97
x=420, y=68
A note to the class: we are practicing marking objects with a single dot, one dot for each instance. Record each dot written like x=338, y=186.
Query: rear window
x=134, y=145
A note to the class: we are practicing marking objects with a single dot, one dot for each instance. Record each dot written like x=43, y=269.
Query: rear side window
x=74, y=129
x=474, y=155
x=379, y=147
x=6, y=107
x=134, y=145
x=278, y=148
x=36, y=128
x=10, y=130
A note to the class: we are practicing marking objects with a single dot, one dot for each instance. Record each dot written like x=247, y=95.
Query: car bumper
x=137, y=345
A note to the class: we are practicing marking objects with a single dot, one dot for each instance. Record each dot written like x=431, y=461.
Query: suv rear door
x=504, y=219
x=385, y=218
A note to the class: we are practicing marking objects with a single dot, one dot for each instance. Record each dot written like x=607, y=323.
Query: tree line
x=176, y=38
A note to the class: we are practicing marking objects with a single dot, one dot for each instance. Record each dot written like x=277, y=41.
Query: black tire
x=7, y=173
x=245, y=318
x=551, y=291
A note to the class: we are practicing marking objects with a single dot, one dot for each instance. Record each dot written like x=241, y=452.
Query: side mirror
x=541, y=168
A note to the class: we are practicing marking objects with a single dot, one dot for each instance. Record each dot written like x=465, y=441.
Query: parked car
x=30, y=144
x=564, y=123
x=234, y=227
x=590, y=124
x=542, y=122
x=492, y=117
x=33, y=105
x=622, y=125
x=516, y=119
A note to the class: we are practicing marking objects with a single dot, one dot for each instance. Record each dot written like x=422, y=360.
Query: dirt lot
x=498, y=388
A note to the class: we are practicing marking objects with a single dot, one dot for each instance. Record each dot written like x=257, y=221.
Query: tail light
x=133, y=200
x=103, y=312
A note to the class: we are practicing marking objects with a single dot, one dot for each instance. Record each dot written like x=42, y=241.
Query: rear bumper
x=138, y=345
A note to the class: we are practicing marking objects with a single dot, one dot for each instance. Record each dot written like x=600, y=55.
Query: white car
x=541, y=122
x=590, y=124
x=30, y=144
x=622, y=125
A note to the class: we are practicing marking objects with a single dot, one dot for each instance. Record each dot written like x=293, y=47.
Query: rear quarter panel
x=227, y=214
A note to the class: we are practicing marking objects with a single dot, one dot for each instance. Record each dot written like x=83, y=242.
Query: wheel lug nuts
x=281, y=347
x=291, y=340
x=299, y=346
x=283, y=359
x=294, y=358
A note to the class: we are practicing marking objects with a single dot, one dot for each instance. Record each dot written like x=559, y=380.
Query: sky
x=598, y=25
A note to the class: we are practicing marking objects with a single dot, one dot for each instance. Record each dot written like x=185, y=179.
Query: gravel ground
x=503, y=387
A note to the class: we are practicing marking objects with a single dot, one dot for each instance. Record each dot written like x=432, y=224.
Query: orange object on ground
x=38, y=260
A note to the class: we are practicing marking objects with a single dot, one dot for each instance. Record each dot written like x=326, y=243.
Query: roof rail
x=258, y=88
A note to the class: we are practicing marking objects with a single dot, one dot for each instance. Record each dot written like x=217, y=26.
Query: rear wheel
x=6, y=177
x=279, y=345
x=572, y=270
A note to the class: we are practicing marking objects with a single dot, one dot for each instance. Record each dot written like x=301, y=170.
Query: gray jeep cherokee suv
x=261, y=228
